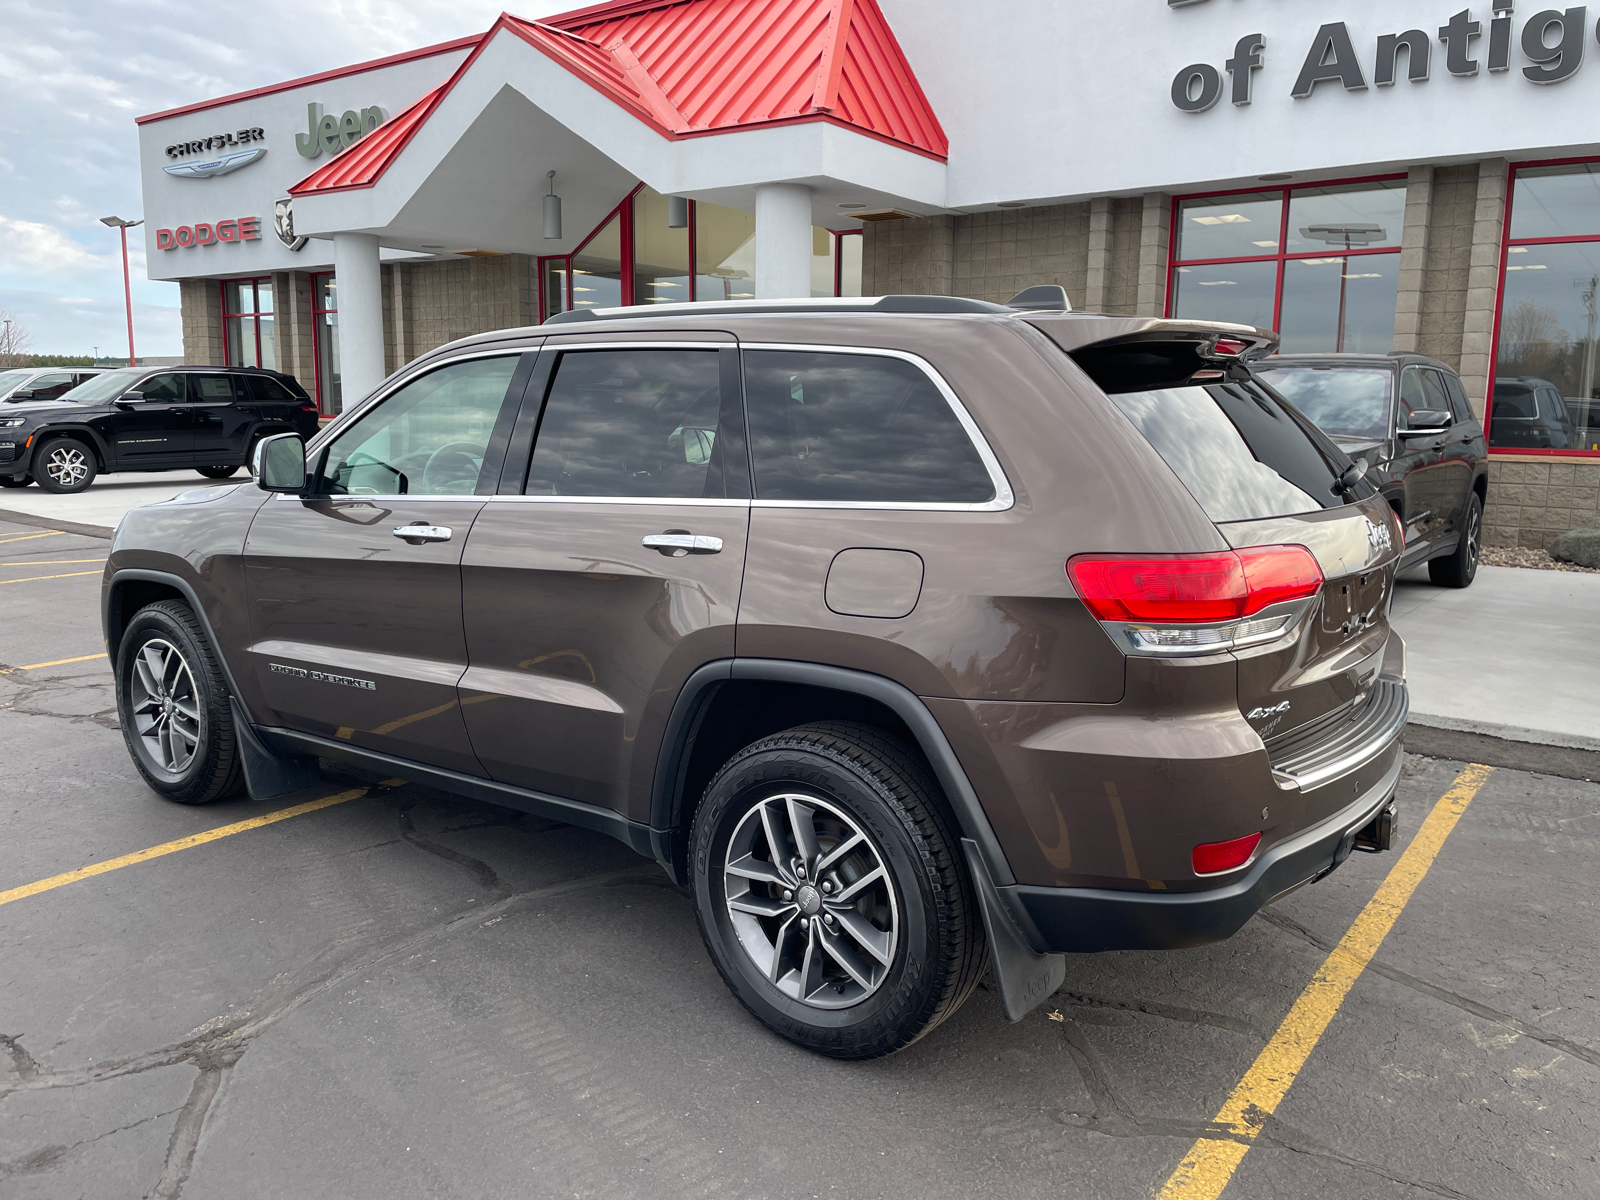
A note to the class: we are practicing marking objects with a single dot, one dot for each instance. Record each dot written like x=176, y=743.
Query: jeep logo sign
x=324, y=131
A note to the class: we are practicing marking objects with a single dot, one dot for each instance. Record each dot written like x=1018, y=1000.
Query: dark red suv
x=913, y=633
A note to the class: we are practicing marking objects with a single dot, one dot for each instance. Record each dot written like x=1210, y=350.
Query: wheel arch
x=132, y=588
x=728, y=704
x=82, y=433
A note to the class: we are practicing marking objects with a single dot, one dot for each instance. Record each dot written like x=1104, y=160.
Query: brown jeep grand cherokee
x=911, y=633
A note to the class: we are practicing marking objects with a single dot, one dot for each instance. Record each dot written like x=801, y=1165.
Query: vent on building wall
x=884, y=214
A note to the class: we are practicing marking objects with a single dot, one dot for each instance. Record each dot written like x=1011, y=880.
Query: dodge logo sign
x=283, y=223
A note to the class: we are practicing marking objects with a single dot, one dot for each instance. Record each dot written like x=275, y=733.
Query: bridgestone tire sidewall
x=214, y=772
x=902, y=1006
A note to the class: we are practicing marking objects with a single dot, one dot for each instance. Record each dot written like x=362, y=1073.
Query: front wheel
x=217, y=472
x=172, y=702
x=1459, y=568
x=830, y=891
x=65, y=465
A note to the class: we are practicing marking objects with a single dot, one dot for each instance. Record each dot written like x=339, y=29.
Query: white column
x=783, y=241
x=355, y=266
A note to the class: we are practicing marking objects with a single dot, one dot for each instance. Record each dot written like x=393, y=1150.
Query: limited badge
x=283, y=223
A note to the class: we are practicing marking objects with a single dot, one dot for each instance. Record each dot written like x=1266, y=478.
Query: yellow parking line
x=198, y=839
x=52, y=562
x=1211, y=1161
x=28, y=537
x=60, y=662
x=36, y=578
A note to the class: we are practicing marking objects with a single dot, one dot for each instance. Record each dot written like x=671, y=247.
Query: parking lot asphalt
x=405, y=994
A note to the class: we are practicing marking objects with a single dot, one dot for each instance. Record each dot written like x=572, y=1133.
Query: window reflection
x=597, y=268
x=1229, y=226
x=1340, y=304
x=725, y=253
x=1556, y=201
x=660, y=252
x=1241, y=292
x=1352, y=217
x=1547, y=373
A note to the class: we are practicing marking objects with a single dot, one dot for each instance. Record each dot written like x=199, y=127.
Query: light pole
x=1349, y=236
x=122, y=226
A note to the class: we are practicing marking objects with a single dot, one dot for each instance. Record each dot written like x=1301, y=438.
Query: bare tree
x=14, y=340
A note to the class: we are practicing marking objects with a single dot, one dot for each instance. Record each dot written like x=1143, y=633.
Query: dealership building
x=1362, y=176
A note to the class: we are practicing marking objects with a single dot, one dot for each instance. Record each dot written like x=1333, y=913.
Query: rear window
x=1241, y=452
x=1513, y=401
x=1344, y=402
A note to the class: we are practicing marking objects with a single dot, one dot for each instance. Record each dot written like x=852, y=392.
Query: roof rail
x=827, y=304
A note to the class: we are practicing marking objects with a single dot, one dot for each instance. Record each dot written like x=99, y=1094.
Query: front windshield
x=10, y=379
x=1342, y=401
x=103, y=387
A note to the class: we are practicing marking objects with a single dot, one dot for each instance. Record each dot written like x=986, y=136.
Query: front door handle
x=417, y=535
x=675, y=543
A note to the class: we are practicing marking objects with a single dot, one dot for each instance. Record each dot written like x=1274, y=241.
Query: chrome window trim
x=358, y=497
x=676, y=501
x=1004, y=498
x=612, y=342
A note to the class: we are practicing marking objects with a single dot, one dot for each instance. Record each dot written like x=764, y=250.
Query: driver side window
x=429, y=438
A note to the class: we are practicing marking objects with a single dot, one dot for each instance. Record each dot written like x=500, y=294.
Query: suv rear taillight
x=1197, y=603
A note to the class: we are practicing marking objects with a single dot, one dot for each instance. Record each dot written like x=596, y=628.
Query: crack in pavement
x=1168, y=1012
x=46, y=1157
x=1455, y=1000
x=27, y=701
x=216, y=1051
x=486, y=877
x=22, y=1062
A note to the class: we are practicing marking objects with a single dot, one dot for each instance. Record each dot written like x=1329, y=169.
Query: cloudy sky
x=73, y=76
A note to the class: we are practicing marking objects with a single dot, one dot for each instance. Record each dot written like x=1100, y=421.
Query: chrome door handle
x=675, y=543
x=416, y=535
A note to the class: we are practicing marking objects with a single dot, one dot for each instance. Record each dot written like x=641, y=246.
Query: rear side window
x=856, y=428
x=1459, y=404
x=1513, y=402
x=267, y=388
x=640, y=423
x=212, y=389
x=1243, y=454
x=1347, y=403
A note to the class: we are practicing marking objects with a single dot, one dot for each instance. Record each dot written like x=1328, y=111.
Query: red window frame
x=1506, y=242
x=624, y=213
x=254, y=317
x=1282, y=257
x=316, y=339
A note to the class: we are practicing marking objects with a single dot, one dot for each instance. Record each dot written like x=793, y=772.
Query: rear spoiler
x=1141, y=354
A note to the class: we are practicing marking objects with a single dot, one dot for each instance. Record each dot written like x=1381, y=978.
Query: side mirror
x=1427, y=422
x=21, y=394
x=280, y=463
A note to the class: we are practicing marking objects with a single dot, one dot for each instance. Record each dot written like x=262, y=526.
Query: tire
x=216, y=472
x=921, y=916
x=1460, y=567
x=169, y=679
x=11, y=481
x=65, y=465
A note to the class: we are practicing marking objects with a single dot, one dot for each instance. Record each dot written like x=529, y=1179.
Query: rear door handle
x=416, y=535
x=676, y=543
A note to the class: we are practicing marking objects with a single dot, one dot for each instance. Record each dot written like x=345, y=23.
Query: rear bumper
x=1078, y=920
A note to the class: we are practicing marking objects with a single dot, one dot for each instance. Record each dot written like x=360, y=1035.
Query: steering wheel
x=452, y=468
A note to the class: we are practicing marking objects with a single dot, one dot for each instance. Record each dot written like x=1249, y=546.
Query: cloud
x=41, y=245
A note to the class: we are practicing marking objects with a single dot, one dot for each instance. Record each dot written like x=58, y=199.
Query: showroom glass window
x=325, y=343
x=643, y=252
x=1547, y=363
x=247, y=322
x=1320, y=264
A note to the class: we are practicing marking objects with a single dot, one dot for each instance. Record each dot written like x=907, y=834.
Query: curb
x=1535, y=757
x=37, y=522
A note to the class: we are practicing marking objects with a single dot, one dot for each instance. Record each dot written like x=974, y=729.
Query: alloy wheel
x=67, y=466
x=810, y=898
x=166, y=708
x=1474, y=538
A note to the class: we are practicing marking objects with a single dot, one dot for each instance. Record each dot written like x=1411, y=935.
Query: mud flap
x=268, y=775
x=1026, y=978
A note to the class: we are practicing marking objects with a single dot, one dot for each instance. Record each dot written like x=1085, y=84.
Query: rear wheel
x=216, y=472
x=65, y=465
x=172, y=701
x=830, y=891
x=1459, y=568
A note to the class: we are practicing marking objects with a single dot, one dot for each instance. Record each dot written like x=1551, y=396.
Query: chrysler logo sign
x=215, y=166
x=239, y=153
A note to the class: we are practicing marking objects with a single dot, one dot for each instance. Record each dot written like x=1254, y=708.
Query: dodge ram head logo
x=283, y=223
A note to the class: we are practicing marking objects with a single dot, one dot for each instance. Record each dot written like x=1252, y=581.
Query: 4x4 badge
x=1255, y=714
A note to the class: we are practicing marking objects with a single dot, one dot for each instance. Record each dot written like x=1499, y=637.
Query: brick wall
x=1532, y=503
x=987, y=256
x=1448, y=262
x=200, y=314
x=454, y=299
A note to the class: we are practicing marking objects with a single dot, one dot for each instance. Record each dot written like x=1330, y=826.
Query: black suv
x=1407, y=418
x=149, y=419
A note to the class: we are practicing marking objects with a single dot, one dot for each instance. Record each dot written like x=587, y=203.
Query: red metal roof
x=359, y=166
x=690, y=68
